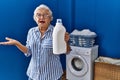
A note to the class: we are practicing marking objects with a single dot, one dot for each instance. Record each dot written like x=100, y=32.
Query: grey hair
x=45, y=7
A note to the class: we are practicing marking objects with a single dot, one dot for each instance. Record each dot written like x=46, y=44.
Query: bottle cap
x=59, y=20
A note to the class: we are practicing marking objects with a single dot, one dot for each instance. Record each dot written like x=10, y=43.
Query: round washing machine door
x=77, y=65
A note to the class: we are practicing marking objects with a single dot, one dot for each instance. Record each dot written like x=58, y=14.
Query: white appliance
x=80, y=63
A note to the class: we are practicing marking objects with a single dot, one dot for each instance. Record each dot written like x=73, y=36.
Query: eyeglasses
x=42, y=15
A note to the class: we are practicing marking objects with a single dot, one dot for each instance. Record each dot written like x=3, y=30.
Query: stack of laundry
x=83, y=38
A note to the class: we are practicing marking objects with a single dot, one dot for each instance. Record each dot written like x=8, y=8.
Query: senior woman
x=44, y=65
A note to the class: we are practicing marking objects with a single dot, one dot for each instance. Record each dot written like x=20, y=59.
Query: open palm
x=9, y=41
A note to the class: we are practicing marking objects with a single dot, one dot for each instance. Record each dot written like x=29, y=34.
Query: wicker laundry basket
x=106, y=71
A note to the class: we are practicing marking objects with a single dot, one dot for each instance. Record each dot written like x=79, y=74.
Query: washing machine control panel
x=93, y=51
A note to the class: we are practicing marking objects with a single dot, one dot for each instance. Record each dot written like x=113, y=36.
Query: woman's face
x=43, y=18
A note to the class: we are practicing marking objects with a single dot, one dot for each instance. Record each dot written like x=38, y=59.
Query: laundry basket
x=83, y=38
x=106, y=71
x=82, y=41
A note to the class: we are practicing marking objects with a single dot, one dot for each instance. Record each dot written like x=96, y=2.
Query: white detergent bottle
x=59, y=44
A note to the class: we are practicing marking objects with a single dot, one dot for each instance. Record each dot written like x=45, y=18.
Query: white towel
x=108, y=60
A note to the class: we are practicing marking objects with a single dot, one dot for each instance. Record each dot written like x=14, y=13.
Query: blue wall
x=101, y=16
x=15, y=20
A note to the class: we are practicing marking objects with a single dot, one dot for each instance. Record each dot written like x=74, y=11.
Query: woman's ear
x=34, y=18
x=51, y=18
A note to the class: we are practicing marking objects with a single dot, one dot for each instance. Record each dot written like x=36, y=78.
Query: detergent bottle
x=59, y=44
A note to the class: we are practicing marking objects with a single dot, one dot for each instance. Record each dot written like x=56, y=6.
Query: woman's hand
x=9, y=41
x=67, y=37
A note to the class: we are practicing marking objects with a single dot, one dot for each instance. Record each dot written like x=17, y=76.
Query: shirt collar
x=50, y=27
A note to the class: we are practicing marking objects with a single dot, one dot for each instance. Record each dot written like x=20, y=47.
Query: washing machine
x=80, y=63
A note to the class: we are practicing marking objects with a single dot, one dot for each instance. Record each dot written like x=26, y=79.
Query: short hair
x=45, y=7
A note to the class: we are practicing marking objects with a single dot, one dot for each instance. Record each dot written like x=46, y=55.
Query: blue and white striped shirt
x=44, y=65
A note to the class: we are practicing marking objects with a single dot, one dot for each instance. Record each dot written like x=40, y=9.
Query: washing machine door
x=77, y=65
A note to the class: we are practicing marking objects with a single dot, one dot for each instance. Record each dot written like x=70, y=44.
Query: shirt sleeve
x=28, y=44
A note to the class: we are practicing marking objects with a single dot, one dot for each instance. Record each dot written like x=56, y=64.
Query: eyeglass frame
x=45, y=16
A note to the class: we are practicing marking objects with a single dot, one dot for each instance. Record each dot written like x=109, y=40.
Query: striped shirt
x=44, y=65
